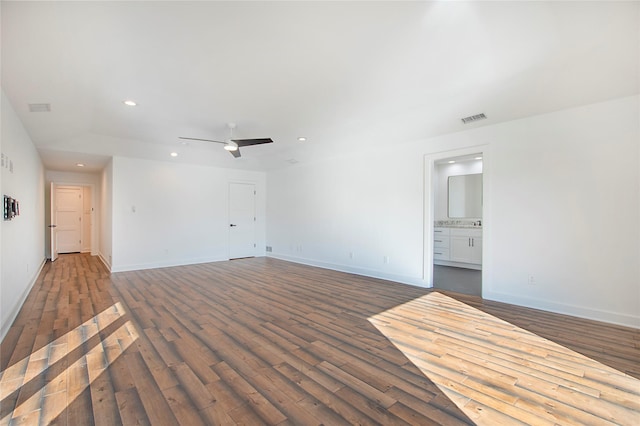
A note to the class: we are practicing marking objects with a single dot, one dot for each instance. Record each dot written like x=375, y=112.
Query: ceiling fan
x=233, y=145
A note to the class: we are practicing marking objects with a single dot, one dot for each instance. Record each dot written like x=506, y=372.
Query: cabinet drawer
x=440, y=232
x=441, y=241
x=466, y=232
x=441, y=254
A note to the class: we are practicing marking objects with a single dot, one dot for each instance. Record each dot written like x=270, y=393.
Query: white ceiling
x=347, y=75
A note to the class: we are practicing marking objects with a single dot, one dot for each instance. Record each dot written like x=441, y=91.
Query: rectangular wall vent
x=269, y=249
x=473, y=118
x=39, y=107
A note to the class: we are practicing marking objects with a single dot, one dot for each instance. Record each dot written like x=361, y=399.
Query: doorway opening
x=454, y=221
x=70, y=220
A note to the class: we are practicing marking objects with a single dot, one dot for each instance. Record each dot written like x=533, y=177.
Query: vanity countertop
x=457, y=224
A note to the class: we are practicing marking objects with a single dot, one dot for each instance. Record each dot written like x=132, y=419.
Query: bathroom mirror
x=465, y=196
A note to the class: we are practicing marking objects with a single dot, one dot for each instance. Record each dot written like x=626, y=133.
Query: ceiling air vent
x=39, y=107
x=473, y=118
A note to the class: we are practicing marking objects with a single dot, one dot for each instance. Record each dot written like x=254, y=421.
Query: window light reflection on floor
x=88, y=356
x=497, y=373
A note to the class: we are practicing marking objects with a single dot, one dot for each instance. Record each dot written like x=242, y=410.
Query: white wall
x=71, y=178
x=443, y=171
x=564, y=208
x=350, y=213
x=22, y=237
x=168, y=214
x=92, y=180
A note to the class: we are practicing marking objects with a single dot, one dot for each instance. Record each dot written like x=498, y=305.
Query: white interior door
x=52, y=226
x=68, y=219
x=242, y=220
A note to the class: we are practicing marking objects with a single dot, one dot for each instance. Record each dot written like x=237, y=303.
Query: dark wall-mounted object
x=11, y=208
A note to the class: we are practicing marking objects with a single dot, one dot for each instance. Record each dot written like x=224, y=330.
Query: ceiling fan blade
x=202, y=140
x=235, y=153
x=249, y=142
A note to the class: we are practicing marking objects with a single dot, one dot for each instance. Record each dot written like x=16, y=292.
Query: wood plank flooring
x=262, y=341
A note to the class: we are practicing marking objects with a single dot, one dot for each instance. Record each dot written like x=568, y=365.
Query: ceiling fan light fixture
x=231, y=146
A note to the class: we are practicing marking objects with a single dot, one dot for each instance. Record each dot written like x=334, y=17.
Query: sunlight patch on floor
x=497, y=373
x=27, y=379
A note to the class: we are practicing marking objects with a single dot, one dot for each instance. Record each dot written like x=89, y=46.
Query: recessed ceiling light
x=451, y=162
x=478, y=158
x=80, y=164
x=129, y=102
x=302, y=139
x=174, y=154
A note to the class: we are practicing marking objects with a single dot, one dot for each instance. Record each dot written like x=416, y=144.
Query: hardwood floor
x=262, y=341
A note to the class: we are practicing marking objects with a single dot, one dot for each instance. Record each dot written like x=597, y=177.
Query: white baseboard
x=545, y=305
x=418, y=282
x=104, y=261
x=8, y=322
x=165, y=264
x=566, y=309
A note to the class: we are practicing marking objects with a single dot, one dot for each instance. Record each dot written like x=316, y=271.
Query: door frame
x=77, y=206
x=94, y=215
x=255, y=213
x=52, y=246
x=429, y=210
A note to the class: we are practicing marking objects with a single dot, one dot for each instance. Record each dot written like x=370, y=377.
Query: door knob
x=232, y=225
x=52, y=226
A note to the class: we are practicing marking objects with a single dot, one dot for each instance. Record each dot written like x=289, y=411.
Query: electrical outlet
x=531, y=280
x=351, y=255
x=386, y=259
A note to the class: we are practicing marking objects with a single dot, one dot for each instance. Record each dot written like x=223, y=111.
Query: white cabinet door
x=476, y=250
x=460, y=249
x=466, y=246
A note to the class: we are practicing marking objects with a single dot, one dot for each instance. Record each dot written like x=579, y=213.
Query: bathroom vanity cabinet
x=461, y=247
